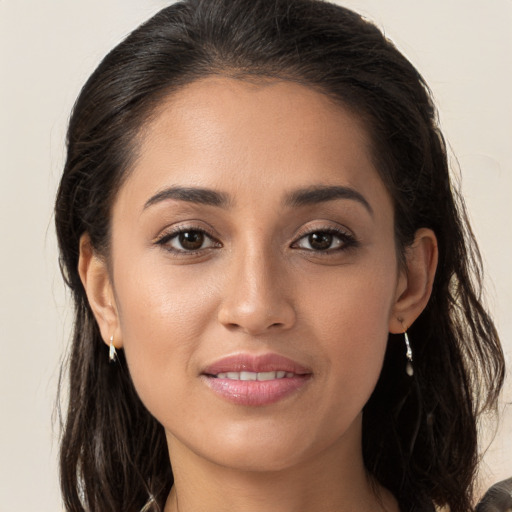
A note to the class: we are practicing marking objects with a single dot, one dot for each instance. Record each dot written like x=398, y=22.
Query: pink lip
x=255, y=393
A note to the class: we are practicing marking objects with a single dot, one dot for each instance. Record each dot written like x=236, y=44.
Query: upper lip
x=255, y=363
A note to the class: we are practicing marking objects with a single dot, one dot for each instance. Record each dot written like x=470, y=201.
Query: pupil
x=320, y=241
x=191, y=240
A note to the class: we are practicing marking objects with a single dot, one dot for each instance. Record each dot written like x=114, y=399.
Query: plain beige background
x=48, y=49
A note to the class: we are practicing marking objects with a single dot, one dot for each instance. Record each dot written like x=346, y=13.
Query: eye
x=327, y=240
x=187, y=240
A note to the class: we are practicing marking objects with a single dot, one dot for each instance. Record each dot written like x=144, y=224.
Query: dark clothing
x=498, y=498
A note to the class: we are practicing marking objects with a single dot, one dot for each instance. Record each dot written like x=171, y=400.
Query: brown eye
x=320, y=241
x=191, y=240
x=325, y=241
x=188, y=241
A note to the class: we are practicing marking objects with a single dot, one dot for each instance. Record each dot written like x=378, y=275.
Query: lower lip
x=254, y=392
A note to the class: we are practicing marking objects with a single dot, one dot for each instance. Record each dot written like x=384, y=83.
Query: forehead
x=259, y=136
x=227, y=109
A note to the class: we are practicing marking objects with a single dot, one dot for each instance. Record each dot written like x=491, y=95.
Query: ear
x=415, y=282
x=95, y=278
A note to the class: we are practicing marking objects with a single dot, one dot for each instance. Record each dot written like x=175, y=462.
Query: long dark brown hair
x=419, y=434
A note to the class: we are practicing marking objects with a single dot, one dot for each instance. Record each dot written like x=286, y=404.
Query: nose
x=257, y=297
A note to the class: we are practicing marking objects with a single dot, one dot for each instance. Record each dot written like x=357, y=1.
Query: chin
x=259, y=458
x=274, y=447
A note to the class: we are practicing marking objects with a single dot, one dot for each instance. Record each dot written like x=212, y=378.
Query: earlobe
x=418, y=279
x=95, y=278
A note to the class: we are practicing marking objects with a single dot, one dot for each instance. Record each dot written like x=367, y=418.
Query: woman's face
x=254, y=240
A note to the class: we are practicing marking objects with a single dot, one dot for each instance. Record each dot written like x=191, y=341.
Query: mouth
x=260, y=376
x=249, y=380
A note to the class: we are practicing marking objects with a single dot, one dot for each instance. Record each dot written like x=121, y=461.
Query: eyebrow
x=324, y=193
x=191, y=195
x=302, y=197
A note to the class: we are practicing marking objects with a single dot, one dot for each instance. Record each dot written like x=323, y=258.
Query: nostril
x=254, y=325
x=257, y=311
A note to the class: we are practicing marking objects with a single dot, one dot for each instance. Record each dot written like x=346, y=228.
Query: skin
x=257, y=285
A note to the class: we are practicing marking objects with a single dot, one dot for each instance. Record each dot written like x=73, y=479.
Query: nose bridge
x=255, y=297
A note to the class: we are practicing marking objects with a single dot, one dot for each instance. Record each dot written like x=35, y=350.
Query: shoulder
x=498, y=498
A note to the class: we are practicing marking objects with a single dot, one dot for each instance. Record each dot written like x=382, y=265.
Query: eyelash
x=347, y=240
x=166, y=238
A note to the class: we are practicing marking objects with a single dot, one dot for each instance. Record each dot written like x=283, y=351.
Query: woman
x=276, y=287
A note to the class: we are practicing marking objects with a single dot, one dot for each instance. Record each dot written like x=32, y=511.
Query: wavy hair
x=419, y=434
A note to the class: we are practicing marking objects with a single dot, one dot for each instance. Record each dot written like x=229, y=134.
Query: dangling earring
x=408, y=367
x=112, y=354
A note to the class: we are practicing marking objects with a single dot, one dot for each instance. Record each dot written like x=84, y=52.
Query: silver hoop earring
x=112, y=354
x=408, y=367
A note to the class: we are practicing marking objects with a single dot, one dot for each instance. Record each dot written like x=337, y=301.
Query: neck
x=334, y=480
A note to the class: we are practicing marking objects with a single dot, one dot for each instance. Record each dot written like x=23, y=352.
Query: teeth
x=266, y=375
x=255, y=375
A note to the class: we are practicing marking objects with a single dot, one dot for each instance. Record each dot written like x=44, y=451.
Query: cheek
x=353, y=299
x=350, y=315
x=163, y=317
